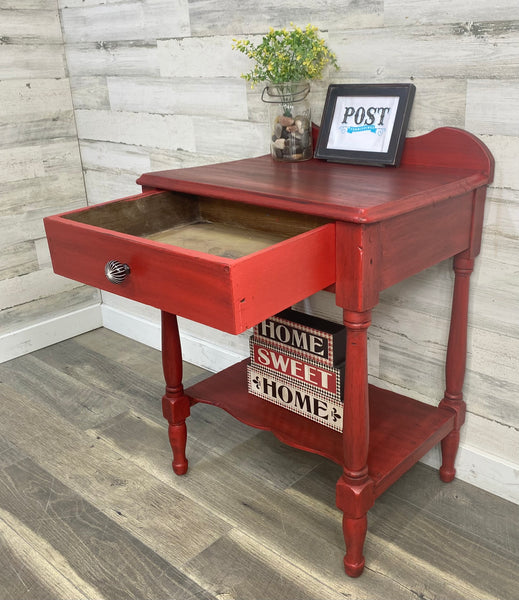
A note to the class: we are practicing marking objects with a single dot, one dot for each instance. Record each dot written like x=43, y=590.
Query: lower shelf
x=402, y=430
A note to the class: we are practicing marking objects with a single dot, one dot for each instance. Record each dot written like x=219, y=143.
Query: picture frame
x=365, y=123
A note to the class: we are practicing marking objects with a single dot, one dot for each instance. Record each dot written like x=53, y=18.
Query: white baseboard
x=141, y=330
x=487, y=472
x=49, y=332
x=200, y=352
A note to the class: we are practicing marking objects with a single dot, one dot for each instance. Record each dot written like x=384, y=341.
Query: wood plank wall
x=40, y=174
x=156, y=85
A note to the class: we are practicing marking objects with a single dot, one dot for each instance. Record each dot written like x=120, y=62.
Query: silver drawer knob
x=116, y=272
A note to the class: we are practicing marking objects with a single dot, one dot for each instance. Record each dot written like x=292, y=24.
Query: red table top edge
x=444, y=163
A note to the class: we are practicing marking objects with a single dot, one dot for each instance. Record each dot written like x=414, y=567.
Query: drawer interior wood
x=217, y=227
x=217, y=239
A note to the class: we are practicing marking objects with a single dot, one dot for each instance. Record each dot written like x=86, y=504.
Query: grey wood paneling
x=29, y=4
x=208, y=56
x=20, y=25
x=457, y=50
x=491, y=105
x=89, y=92
x=250, y=17
x=18, y=259
x=211, y=97
x=415, y=12
x=136, y=128
x=112, y=58
x=31, y=61
x=126, y=21
x=40, y=168
x=54, y=305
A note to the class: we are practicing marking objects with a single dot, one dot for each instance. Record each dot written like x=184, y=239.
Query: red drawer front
x=228, y=294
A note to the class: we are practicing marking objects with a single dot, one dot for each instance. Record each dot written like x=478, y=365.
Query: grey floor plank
x=272, y=461
x=211, y=431
x=492, y=520
x=95, y=549
x=247, y=571
x=279, y=523
x=425, y=527
x=25, y=574
x=9, y=454
x=163, y=518
x=104, y=377
x=438, y=547
x=135, y=356
x=79, y=402
x=85, y=476
x=136, y=383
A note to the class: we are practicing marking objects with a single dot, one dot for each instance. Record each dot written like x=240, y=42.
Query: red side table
x=358, y=229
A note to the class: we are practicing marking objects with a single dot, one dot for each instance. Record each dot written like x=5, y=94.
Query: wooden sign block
x=327, y=380
x=298, y=398
x=305, y=335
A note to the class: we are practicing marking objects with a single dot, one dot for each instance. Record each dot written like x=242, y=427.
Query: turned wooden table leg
x=456, y=362
x=175, y=404
x=354, y=531
x=355, y=488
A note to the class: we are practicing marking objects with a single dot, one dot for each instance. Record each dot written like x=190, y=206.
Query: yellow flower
x=287, y=55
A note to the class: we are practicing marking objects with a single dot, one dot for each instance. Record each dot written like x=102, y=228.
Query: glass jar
x=289, y=120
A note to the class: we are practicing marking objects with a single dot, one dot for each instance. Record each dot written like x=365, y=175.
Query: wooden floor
x=89, y=506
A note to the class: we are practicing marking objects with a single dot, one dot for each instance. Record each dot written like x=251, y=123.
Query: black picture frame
x=364, y=110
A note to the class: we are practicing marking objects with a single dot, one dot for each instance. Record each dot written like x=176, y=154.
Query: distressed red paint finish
x=385, y=225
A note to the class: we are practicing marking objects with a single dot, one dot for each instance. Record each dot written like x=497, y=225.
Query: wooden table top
x=443, y=164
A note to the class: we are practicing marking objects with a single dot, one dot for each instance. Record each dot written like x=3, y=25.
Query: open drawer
x=222, y=263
